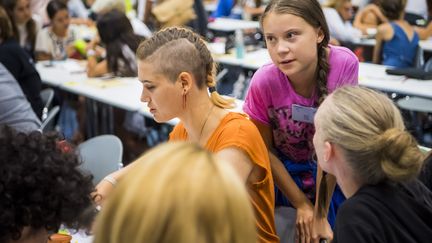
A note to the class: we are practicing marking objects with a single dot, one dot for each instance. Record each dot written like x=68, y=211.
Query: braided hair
x=175, y=50
x=311, y=12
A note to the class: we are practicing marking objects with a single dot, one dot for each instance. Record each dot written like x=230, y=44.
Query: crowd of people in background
x=309, y=138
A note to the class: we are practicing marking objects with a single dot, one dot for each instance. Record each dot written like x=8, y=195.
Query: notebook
x=417, y=73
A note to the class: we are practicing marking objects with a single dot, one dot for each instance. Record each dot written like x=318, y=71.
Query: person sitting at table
x=41, y=188
x=369, y=17
x=56, y=42
x=117, y=35
x=361, y=139
x=178, y=192
x=396, y=41
x=15, y=110
x=19, y=64
x=25, y=28
x=253, y=9
x=177, y=72
x=338, y=14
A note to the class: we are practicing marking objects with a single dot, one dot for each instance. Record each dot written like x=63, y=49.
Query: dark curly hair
x=41, y=185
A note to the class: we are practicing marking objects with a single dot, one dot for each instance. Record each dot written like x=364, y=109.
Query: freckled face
x=291, y=42
x=163, y=97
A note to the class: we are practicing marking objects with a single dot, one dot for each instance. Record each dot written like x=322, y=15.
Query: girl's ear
x=185, y=80
x=320, y=35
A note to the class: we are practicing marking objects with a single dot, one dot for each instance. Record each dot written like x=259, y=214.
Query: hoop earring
x=184, y=101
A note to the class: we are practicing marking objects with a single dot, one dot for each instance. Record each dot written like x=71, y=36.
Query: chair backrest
x=428, y=65
x=47, y=96
x=49, y=123
x=419, y=58
x=101, y=155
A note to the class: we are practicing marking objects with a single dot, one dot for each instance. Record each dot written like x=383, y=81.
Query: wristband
x=111, y=180
x=91, y=53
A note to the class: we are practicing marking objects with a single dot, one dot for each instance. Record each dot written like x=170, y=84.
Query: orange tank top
x=236, y=130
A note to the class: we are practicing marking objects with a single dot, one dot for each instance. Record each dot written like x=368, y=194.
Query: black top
x=21, y=66
x=426, y=172
x=386, y=212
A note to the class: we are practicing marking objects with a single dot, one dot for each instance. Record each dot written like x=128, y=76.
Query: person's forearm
x=119, y=174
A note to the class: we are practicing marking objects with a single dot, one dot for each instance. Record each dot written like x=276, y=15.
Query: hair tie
x=212, y=89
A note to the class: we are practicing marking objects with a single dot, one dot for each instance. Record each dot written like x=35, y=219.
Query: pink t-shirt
x=270, y=97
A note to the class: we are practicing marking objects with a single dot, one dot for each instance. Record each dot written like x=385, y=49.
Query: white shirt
x=22, y=30
x=77, y=9
x=107, y=5
x=50, y=43
x=339, y=29
x=360, y=3
x=38, y=9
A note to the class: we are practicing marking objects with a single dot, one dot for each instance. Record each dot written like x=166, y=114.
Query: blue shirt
x=400, y=51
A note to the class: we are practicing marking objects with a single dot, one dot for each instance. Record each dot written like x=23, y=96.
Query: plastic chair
x=47, y=96
x=419, y=58
x=428, y=65
x=49, y=123
x=101, y=155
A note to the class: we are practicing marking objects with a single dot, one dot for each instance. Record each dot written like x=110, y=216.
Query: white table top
x=230, y=25
x=370, y=75
x=55, y=73
x=375, y=77
x=123, y=93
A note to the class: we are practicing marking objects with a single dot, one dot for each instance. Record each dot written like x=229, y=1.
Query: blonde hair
x=178, y=193
x=370, y=130
x=174, y=50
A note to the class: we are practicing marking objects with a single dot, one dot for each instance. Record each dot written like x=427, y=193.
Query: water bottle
x=239, y=44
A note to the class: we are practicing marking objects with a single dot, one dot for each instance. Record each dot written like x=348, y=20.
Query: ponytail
x=216, y=98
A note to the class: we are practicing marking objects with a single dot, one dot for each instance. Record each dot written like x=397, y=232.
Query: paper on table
x=73, y=66
x=102, y=84
x=81, y=237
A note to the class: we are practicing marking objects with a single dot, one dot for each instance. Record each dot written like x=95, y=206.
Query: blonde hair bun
x=401, y=159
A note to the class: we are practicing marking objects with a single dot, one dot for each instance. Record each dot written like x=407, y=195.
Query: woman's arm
x=424, y=33
x=380, y=37
x=95, y=69
x=238, y=160
x=289, y=188
x=369, y=17
x=105, y=187
x=43, y=56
